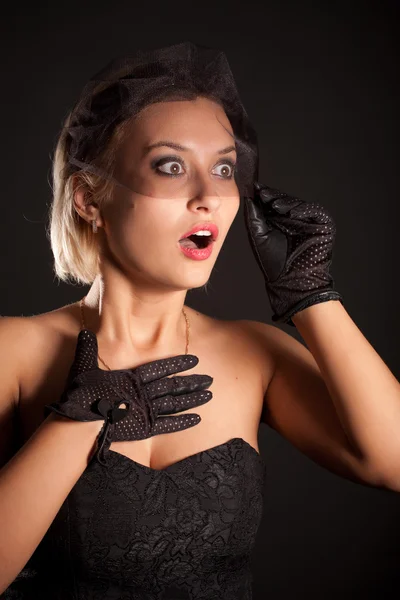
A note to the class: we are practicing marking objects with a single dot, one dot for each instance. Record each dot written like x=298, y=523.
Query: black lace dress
x=130, y=532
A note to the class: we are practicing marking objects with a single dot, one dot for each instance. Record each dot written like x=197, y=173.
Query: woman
x=108, y=496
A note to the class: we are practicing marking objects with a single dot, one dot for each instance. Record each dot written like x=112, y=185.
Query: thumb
x=256, y=223
x=85, y=354
x=268, y=243
x=275, y=199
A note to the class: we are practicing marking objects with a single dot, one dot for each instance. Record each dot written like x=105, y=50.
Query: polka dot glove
x=292, y=242
x=132, y=402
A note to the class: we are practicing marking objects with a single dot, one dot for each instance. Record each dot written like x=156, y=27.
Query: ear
x=84, y=203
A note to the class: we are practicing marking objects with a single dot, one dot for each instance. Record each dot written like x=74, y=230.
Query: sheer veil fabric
x=126, y=85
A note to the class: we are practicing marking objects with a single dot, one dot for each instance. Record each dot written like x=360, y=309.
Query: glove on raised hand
x=146, y=392
x=292, y=242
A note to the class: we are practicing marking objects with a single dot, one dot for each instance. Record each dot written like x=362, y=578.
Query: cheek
x=234, y=208
x=229, y=214
x=141, y=227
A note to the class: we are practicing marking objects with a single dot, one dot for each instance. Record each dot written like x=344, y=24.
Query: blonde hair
x=74, y=245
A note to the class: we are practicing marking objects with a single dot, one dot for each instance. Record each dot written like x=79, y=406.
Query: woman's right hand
x=132, y=402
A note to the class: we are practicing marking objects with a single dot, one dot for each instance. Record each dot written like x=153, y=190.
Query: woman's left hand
x=292, y=242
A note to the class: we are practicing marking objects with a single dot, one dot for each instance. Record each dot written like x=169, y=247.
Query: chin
x=192, y=283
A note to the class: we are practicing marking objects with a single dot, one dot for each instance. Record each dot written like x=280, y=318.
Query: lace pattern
x=132, y=532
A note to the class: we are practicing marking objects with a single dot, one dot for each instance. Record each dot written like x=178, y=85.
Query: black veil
x=126, y=85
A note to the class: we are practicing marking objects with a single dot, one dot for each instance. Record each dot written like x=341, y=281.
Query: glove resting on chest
x=131, y=402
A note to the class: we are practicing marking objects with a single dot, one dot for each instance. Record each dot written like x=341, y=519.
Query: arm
x=303, y=405
x=35, y=482
x=338, y=401
x=364, y=392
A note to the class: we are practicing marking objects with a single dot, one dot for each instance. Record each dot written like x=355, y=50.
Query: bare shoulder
x=38, y=343
x=20, y=338
x=24, y=350
x=23, y=333
x=255, y=342
x=273, y=345
x=13, y=334
x=273, y=339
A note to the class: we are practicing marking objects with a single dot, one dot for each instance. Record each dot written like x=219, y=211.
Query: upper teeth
x=202, y=232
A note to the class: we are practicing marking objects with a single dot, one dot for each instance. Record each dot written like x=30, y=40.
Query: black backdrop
x=320, y=84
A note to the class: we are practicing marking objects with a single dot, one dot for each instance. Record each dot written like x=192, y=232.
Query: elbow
x=392, y=481
x=388, y=475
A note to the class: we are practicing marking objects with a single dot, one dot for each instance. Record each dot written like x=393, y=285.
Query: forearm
x=364, y=391
x=35, y=483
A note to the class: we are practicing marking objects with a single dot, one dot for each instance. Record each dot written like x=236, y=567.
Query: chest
x=236, y=364
x=184, y=532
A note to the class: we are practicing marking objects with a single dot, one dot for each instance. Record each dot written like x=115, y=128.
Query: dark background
x=320, y=84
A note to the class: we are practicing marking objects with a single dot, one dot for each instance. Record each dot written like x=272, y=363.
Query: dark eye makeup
x=158, y=162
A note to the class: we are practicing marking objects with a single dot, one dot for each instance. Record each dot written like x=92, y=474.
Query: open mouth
x=196, y=241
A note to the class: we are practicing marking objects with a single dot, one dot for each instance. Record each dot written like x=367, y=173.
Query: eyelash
x=175, y=159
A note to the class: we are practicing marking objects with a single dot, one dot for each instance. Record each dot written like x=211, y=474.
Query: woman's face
x=173, y=189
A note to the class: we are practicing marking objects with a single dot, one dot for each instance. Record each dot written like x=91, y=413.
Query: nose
x=205, y=194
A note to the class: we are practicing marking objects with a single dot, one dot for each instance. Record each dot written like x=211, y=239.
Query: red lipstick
x=207, y=226
x=197, y=253
x=199, y=248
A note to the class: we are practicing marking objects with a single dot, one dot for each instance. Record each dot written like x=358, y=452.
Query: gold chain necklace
x=82, y=303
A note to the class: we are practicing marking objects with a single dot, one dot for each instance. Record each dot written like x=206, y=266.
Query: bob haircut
x=99, y=122
x=73, y=243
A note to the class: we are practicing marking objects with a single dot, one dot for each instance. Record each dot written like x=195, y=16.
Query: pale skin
x=135, y=305
x=337, y=402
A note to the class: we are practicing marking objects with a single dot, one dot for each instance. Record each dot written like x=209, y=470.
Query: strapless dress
x=130, y=532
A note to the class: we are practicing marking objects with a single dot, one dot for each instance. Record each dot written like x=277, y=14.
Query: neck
x=129, y=319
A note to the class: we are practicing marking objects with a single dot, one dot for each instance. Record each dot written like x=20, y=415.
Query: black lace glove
x=292, y=242
x=130, y=400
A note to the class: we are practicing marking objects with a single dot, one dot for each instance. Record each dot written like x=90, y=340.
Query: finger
x=266, y=193
x=276, y=199
x=286, y=203
x=158, y=369
x=170, y=405
x=179, y=423
x=255, y=220
x=178, y=385
x=85, y=358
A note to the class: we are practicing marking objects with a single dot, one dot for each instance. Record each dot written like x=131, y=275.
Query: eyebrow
x=179, y=147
